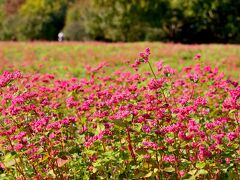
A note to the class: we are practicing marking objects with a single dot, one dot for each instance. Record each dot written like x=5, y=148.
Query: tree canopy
x=186, y=21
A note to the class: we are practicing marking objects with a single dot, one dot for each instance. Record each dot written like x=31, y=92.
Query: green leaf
x=90, y=152
x=202, y=172
x=9, y=160
x=94, y=170
x=9, y=163
x=171, y=149
x=139, y=175
x=192, y=172
x=155, y=170
x=212, y=165
x=137, y=128
x=183, y=144
x=44, y=158
x=99, y=128
x=236, y=145
x=169, y=169
x=52, y=173
x=200, y=165
x=220, y=147
x=7, y=157
x=120, y=123
x=192, y=178
x=148, y=174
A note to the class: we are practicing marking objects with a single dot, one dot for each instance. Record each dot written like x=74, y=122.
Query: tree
x=124, y=20
x=41, y=19
x=12, y=6
x=74, y=28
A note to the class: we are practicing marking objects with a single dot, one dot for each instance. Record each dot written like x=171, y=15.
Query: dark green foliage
x=210, y=21
x=38, y=19
x=42, y=19
x=186, y=21
x=7, y=22
x=124, y=20
x=74, y=28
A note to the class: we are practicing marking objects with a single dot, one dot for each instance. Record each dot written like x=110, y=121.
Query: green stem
x=164, y=96
x=152, y=70
x=17, y=165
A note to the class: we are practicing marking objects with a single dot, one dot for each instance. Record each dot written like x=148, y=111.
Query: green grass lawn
x=68, y=59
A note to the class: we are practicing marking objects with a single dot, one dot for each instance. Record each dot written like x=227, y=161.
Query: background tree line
x=186, y=21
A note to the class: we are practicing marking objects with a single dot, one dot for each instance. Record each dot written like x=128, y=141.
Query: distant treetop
x=185, y=21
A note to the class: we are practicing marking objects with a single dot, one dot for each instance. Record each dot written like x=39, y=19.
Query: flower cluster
x=143, y=57
x=173, y=125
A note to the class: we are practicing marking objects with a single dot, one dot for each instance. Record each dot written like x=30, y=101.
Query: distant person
x=60, y=36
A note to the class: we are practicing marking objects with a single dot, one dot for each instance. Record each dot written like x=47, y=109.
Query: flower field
x=105, y=111
x=68, y=59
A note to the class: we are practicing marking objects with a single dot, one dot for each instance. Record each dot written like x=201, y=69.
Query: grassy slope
x=68, y=59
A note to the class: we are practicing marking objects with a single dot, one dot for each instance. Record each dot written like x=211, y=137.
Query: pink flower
x=147, y=156
x=228, y=160
x=1, y=166
x=19, y=136
x=207, y=69
x=203, y=153
x=167, y=70
x=193, y=77
x=182, y=135
x=231, y=136
x=18, y=147
x=182, y=173
x=71, y=103
x=200, y=101
x=170, y=140
x=90, y=168
x=159, y=65
x=93, y=158
x=143, y=57
x=197, y=56
x=156, y=83
x=218, y=138
x=52, y=136
x=150, y=144
x=147, y=51
x=146, y=128
x=170, y=158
